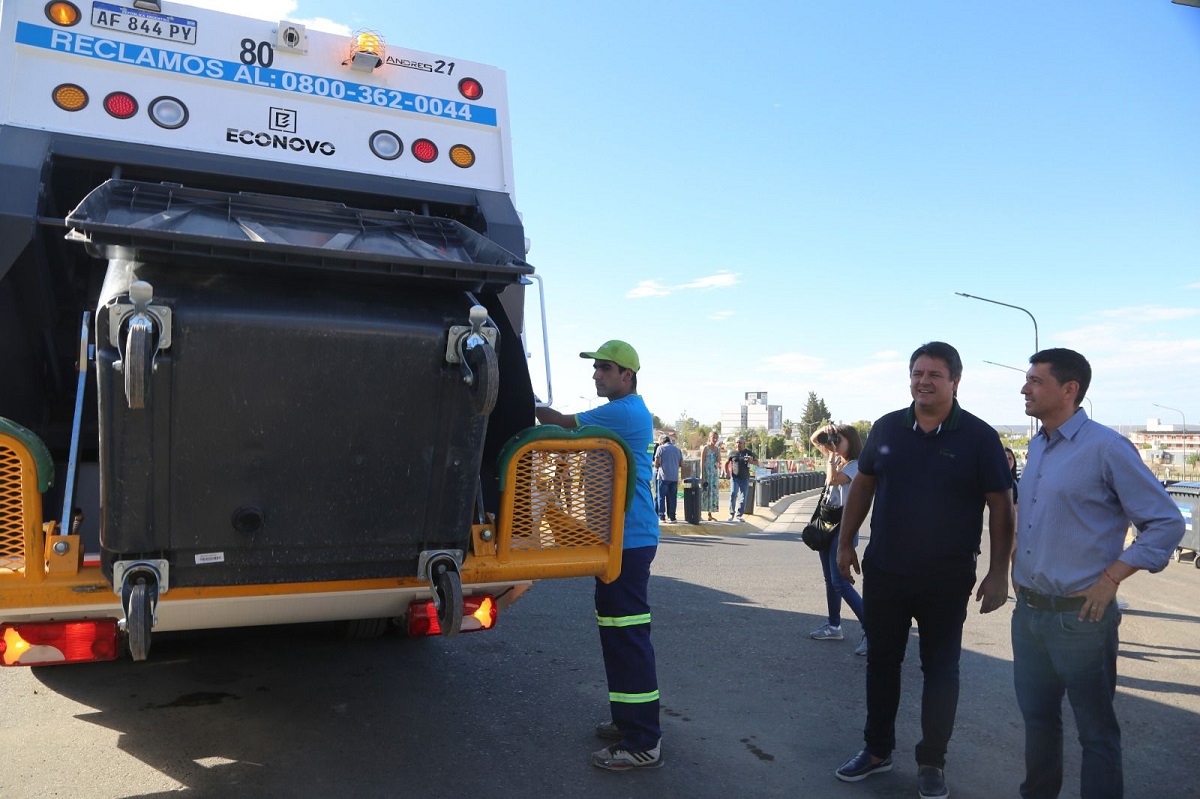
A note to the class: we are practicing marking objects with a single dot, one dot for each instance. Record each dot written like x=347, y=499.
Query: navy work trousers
x=623, y=615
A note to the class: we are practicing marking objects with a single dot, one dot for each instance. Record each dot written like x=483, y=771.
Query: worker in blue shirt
x=622, y=606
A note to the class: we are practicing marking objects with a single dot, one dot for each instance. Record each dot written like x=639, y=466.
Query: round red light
x=120, y=105
x=470, y=88
x=424, y=150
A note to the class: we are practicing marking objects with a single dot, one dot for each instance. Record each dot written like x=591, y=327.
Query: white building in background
x=753, y=413
x=1167, y=445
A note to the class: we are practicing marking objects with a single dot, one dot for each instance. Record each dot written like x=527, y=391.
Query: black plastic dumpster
x=1187, y=497
x=691, y=500
x=749, y=506
x=280, y=395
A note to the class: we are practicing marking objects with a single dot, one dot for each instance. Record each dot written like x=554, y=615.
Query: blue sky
x=784, y=197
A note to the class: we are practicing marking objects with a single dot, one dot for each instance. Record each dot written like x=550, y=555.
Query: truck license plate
x=143, y=23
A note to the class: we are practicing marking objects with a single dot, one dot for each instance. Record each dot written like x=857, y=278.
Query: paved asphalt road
x=751, y=706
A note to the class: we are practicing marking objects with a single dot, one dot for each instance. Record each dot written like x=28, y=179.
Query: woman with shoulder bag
x=841, y=444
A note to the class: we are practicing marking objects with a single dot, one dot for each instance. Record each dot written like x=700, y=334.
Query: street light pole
x=1032, y=427
x=1006, y=305
x=1185, y=433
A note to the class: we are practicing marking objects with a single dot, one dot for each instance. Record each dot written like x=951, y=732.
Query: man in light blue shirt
x=623, y=606
x=667, y=461
x=1082, y=486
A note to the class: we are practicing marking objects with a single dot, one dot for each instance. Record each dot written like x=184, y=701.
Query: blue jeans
x=738, y=486
x=836, y=587
x=668, y=499
x=1055, y=653
x=939, y=604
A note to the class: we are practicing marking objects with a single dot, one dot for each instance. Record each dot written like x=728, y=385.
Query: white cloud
x=721, y=280
x=648, y=288
x=653, y=288
x=721, y=316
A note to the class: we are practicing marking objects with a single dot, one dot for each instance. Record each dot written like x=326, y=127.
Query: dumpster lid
x=140, y=221
x=1189, y=488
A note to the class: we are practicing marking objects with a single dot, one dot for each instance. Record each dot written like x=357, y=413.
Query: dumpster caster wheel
x=138, y=618
x=485, y=384
x=447, y=586
x=1196, y=560
x=139, y=360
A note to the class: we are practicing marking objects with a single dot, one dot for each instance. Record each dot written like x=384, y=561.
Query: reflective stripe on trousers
x=623, y=620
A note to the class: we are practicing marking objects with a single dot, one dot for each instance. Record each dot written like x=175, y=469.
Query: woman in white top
x=841, y=444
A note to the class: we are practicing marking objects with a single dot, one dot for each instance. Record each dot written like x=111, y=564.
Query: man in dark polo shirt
x=929, y=469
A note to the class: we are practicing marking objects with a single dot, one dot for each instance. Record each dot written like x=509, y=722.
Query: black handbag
x=819, y=532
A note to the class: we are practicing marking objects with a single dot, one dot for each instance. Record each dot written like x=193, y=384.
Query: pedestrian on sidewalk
x=668, y=459
x=737, y=466
x=1087, y=485
x=710, y=476
x=929, y=469
x=841, y=445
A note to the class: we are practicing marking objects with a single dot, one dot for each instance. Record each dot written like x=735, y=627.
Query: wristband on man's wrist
x=1114, y=580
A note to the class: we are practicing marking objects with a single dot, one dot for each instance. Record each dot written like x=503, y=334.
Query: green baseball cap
x=618, y=352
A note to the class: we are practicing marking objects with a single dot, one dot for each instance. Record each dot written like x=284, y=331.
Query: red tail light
x=470, y=88
x=479, y=613
x=42, y=643
x=424, y=150
x=121, y=105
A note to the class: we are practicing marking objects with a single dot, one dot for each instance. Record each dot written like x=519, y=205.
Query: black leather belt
x=1059, y=604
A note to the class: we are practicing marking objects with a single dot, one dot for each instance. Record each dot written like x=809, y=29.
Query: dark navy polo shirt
x=929, y=492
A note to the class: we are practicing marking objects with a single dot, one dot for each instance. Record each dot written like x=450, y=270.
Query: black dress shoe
x=860, y=767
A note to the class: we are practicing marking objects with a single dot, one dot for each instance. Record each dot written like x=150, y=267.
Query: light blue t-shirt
x=629, y=418
x=670, y=458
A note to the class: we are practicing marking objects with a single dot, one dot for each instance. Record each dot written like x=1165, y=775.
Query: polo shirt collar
x=952, y=421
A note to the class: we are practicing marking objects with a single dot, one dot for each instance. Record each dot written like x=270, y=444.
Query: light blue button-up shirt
x=1082, y=486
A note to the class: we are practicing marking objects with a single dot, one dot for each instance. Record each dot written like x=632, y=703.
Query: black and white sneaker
x=614, y=758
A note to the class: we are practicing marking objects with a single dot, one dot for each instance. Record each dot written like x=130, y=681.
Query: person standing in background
x=841, y=445
x=667, y=462
x=1012, y=468
x=710, y=476
x=737, y=466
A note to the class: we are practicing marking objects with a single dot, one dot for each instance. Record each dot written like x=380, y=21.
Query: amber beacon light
x=62, y=13
x=367, y=51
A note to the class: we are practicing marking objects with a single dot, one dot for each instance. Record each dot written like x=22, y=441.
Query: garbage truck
x=263, y=353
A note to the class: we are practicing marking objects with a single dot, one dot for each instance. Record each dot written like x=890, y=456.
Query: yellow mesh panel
x=563, y=498
x=12, y=511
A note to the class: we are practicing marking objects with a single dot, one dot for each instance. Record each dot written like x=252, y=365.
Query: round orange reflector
x=62, y=13
x=69, y=97
x=120, y=105
x=470, y=88
x=462, y=155
x=424, y=150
